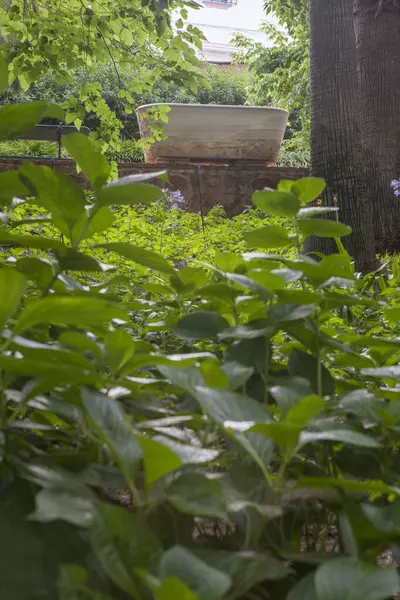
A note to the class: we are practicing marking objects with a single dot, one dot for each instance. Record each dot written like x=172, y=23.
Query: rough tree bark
x=336, y=151
x=377, y=32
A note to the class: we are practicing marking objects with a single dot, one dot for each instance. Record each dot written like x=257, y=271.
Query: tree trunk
x=336, y=151
x=377, y=31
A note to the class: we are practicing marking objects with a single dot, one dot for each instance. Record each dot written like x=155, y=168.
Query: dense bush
x=213, y=432
x=129, y=151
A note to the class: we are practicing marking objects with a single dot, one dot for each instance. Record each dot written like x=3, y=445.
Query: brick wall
x=229, y=186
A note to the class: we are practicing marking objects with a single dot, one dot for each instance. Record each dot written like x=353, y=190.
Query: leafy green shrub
x=224, y=431
x=28, y=148
x=293, y=158
x=129, y=151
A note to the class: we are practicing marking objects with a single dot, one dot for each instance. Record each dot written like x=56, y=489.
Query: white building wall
x=219, y=22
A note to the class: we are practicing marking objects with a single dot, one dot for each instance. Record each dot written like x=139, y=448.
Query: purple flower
x=173, y=199
x=395, y=184
x=177, y=197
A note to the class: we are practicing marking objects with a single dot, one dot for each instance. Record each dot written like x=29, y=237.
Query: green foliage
x=218, y=87
x=54, y=39
x=293, y=158
x=129, y=150
x=211, y=431
x=281, y=73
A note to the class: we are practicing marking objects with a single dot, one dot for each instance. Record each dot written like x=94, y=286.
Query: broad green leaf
x=316, y=210
x=80, y=342
x=147, y=258
x=49, y=369
x=92, y=162
x=284, y=434
x=299, y=297
x=323, y=228
x=229, y=262
x=290, y=393
x=158, y=460
x=214, y=375
x=285, y=185
x=128, y=191
x=186, y=377
x=237, y=374
x=383, y=373
x=52, y=504
x=218, y=290
x=248, y=283
x=10, y=187
x=362, y=403
x=392, y=314
x=92, y=221
x=304, y=589
x=39, y=220
x=33, y=547
x=172, y=589
x=72, y=260
x=277, y=203
x=119, y=348
x=259, y=447
x=306, y=366
x=163, y=455
x=344, y=436
x=30, y=241
x=123, y=542
x=59, y=194
x=305, y=410
x=79, y=311
x=203, y=580
x=201, y=325
x=17, y=120
x=246, y=332
x=109, y=421
x=347, y=485
x=12, y=286
x=308, y=189
x=386, y=519
x=230, y=409
x=196, y=494
x=270, y=281
x=351, y=579
x=339, y=282
x=101, y=221
x=246, y=569
x=270, y=236
x=282, y=313
x=72, y=578
x=193, y=278
x=249, y=353
x=34, y=269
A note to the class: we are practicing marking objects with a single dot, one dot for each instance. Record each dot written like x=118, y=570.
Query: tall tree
x=377, y=28
x=336, y=151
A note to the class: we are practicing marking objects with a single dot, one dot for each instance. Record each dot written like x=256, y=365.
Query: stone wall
x=203, y=187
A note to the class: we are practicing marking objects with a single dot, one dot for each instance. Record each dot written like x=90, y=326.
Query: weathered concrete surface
x=214, y=132
x=202, y=187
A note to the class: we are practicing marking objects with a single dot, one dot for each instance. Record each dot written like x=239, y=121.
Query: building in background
x=219, y=20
